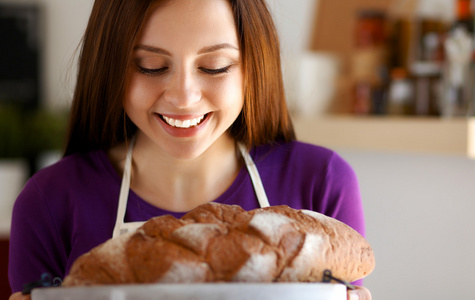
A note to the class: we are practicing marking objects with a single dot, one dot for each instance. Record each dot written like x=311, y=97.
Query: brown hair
x=98, y=120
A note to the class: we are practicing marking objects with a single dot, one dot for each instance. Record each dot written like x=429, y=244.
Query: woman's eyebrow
x=204, y=50
x=152, y=49
x=217, y=47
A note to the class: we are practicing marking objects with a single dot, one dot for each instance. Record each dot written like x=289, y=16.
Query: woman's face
x=185, y=84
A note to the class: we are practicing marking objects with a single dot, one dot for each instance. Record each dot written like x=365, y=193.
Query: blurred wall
x=419, y=218
x=64, y=22
x=293, y=20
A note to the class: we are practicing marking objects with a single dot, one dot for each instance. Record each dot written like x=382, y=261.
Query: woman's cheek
x=141, y=94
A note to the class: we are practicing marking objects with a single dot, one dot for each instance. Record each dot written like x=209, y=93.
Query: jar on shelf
x=401, y=93
x=426, y=76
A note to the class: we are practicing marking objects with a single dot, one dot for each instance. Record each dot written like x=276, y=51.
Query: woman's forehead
x=190, y=24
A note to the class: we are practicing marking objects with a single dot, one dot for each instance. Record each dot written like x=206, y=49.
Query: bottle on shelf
x=427, y=64
x=369, y=67
x=457, y=80
x=464, y=15
x=459, y=67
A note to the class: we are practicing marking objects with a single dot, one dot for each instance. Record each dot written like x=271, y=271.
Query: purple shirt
x=68, y=208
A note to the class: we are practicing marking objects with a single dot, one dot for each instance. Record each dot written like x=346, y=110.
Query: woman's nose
x=183, y=90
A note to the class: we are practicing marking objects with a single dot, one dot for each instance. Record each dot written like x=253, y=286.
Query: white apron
x=121, y=227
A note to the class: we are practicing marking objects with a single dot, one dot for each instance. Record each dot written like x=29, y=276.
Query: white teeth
x=183, y=123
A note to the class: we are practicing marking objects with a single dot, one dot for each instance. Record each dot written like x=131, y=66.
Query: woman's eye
x=152, y=72
x=215, y=71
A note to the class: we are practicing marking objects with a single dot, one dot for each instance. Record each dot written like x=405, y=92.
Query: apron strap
x=255, y=177
x=124, y=190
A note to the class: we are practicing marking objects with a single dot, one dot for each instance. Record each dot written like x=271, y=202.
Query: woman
x=180, y=99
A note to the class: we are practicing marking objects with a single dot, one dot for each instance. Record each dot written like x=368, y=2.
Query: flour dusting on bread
x=218, y=242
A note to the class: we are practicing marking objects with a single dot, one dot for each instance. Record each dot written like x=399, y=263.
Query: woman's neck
x=182, y=184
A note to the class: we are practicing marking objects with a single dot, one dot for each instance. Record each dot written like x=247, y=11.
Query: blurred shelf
x=397, y=134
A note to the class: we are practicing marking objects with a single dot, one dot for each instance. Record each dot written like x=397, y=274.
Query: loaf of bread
x=217, y=242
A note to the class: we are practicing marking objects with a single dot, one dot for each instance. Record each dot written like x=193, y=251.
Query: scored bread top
x=218, y=242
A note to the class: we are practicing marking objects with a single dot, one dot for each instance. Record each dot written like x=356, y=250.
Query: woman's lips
x=187, y=123
x=183, y=126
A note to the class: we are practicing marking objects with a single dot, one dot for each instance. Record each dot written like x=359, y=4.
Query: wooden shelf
x=400, y=134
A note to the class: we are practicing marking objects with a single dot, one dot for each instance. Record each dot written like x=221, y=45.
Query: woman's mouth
x=183, y=123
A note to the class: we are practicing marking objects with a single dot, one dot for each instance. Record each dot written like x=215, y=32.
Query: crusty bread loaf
x=217, y=242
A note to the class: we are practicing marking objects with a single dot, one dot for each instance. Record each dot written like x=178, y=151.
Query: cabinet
x=425, y=135
x=5, y=290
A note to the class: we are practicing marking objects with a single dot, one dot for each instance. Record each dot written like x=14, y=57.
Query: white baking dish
x=208, y=291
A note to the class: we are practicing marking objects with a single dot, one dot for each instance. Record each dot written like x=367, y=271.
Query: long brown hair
x=98, y=120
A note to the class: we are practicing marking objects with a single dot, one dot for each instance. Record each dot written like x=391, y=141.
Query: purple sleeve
x=341, y=196
x=35, y=243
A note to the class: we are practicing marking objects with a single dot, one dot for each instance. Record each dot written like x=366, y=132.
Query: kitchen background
x=340, y=71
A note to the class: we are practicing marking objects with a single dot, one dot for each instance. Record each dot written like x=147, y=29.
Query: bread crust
x=218, y=242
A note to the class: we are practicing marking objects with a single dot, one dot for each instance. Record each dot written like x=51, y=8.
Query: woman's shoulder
x=78, y=182
x=303, y=164
x=72, y=174
x=74, y=165
x=296, y=152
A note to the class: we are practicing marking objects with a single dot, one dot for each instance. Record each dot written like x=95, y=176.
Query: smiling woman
x=177, y=104
x=102, y=74
x=181, y=73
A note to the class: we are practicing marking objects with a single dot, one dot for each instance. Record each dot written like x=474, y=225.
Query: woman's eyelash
x=159, y=71
x=215, y=71
x=152, y=72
